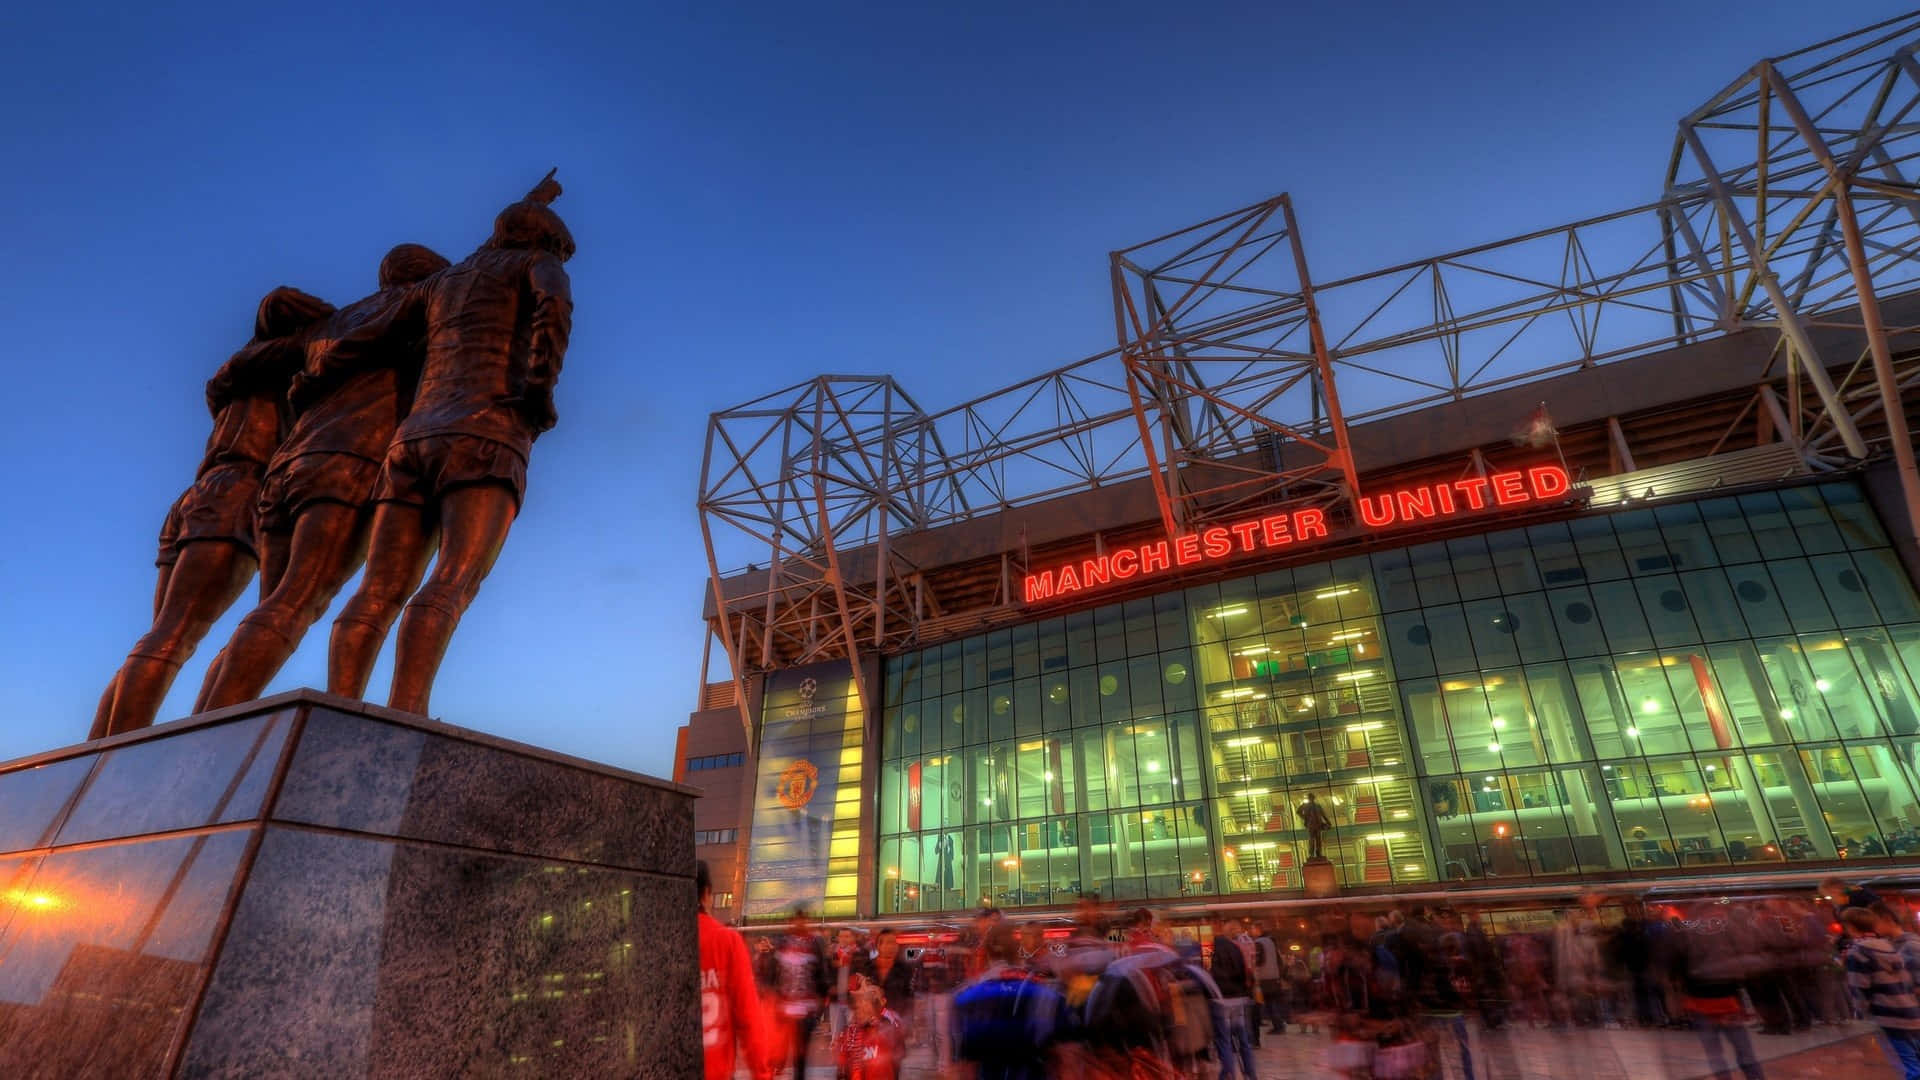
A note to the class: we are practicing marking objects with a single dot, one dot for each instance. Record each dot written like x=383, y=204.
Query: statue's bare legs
x=328, y=541
x=474, y=526
x=206, y=579
x=476, y=521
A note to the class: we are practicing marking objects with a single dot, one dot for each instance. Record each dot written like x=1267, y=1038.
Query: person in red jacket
x=729, y=1002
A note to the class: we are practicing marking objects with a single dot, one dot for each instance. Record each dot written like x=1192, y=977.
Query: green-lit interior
x=1726, y=683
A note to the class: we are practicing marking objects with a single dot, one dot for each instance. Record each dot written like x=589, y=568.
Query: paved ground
x=1850, y=1052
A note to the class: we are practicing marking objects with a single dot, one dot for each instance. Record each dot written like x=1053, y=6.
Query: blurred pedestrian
x=874, y=1042
x=1006, y=1021
x=1233, y=1044
x=803, y=983
x=1275, y=995
x=1878, y=975
x=894, y=974
x=849, y=963
x=731, y=1022
x=1710, y=960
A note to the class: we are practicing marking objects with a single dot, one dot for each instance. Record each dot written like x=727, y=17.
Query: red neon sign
x=1271, y=532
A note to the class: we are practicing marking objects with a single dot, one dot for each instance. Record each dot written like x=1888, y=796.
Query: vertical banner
x=1058, y=784
x=803, y=725
x=1711, y=700
x=913, y=797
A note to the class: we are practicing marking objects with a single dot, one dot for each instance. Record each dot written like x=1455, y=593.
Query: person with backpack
x=1879, y=977
x=1006, y=1021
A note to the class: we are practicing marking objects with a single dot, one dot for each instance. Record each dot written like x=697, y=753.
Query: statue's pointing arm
x=551, y=325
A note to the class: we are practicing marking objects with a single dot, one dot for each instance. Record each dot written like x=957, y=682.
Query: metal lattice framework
x=1786, y=208
x=1227, y=367
x=1802, y=162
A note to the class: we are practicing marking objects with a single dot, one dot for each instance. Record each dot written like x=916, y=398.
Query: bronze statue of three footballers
x=373, y=433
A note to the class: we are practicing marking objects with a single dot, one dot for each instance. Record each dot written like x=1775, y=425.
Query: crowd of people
x=1419, y=991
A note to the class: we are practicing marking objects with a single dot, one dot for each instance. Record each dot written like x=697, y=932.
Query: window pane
x=1796, y=810
x=1885, y=783
x=1859, y=526
x=1665, y=605
x=1688, y=542
x=1553, y=551
x=1513, y=561
x=1025, y=641
x=1393, y=580
x=1528, y=619
x=1811, y=522
x=1759, y=605
x=1492, y=630
x=1636, y=803
x=1728, y=527
x=1409, y=642
x=1577, y=622
x=1137, y=617
x=1433, y=574
x=1841, y=802
x=1595, y=840
x=1806, y=608
x=1642, y=543
x=1767, y=519
x=1715, y=611
x=1620, y=616
x=1887, y=581
x=1556, y=713
x=1852, y=701
x=1452, y=645
x=1599, y=551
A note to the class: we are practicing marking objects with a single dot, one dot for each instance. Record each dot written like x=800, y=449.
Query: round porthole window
x=1850, y=581
x=1506, y=622
x=1673, y=600
x=1579, y=612
x=1108, y=684
x=1057, y=693
x=1751, y=591
x=1419, y=634
x=1176, y=673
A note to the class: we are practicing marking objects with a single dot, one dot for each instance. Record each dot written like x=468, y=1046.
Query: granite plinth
x=309, y=886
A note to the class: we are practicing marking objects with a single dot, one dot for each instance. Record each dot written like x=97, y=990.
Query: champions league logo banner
x=802, y=730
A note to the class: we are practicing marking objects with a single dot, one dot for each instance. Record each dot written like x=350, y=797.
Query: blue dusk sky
x=760, y=193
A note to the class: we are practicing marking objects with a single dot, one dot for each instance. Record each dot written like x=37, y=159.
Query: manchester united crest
x=798, y=782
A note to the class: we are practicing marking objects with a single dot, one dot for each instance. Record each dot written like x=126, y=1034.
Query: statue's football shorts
x=170, y=533
x=419, y=471
x=292, y=486
x=220, y=506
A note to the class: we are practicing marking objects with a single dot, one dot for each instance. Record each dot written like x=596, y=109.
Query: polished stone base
x=1319, y=877
x=308, y=886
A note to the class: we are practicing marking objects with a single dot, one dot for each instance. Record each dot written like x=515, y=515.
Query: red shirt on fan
x=729, y=1005
x=871, y=1049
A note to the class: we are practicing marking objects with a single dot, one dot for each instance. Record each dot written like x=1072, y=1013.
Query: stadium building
x=1583, y=558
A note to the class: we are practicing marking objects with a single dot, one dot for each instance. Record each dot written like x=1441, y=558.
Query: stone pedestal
x=1320, y=878
x=309, y=886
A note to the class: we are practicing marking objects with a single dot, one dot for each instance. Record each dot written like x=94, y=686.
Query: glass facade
x=1721, y=683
